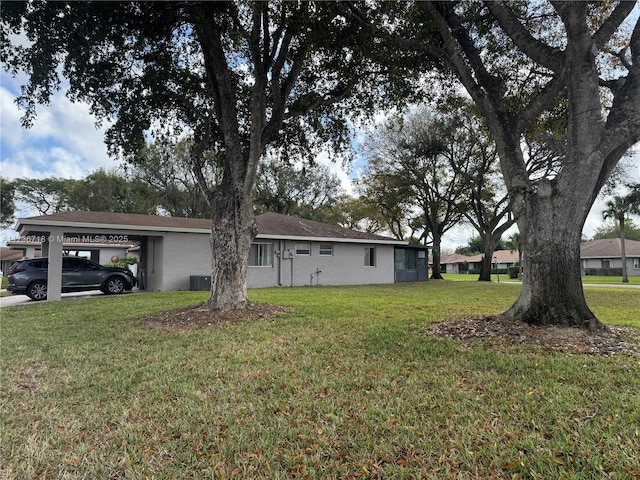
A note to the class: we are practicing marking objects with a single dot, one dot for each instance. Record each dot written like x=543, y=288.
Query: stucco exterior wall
x=184, y=255
x=632, y=262
x=107, y=252
x=450, y=268
x=154, y=265
x=346, y=266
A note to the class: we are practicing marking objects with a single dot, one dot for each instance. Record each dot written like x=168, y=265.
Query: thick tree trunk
x=623, y=251
x=436, y=272
x=552, y=291
x=233, y=230
x=485, y=267
x=490, y=243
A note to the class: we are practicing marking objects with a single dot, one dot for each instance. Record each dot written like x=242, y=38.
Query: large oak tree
x=524, y=63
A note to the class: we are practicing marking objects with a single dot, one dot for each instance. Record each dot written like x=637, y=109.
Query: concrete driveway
x=23, y=299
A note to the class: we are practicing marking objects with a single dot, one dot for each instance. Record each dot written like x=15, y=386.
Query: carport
x=52, y=231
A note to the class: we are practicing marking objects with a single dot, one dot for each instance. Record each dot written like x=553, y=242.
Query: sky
x=64, y=142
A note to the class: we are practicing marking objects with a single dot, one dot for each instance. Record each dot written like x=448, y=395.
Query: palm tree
x=513, y=244
x=618, y=208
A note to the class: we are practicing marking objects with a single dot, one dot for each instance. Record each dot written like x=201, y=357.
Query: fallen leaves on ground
x=504, y=331
x=499, y=331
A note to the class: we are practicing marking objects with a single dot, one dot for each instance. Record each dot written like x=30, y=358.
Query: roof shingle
x=268, y=224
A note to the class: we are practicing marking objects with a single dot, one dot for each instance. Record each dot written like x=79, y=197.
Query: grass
x=348, y=386
x=504, y=278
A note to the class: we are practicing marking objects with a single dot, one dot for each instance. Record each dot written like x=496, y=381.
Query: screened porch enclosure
x=411, y=264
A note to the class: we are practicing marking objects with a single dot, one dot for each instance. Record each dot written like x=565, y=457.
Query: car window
x=39, y=264
x=89, y=265
x=78, y=264
x=72, y=264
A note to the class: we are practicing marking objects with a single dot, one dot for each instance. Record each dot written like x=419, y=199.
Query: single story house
x=456, y=263
x=597, y=257
x=8, y=256
x=175, y=252
x=604, y=257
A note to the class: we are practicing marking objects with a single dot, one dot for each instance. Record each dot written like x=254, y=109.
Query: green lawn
x=348, y=386
x=586, y=280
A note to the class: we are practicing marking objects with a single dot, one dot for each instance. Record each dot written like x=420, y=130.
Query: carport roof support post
x=52, y=248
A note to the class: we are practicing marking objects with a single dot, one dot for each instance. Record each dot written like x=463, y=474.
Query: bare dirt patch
x=31, y=375
x=503, y=332
x=201, y=316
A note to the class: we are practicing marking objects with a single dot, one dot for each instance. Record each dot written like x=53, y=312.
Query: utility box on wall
x=199, y=282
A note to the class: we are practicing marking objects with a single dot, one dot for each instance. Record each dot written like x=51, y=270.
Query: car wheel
x=114, y=286
x=37, y=291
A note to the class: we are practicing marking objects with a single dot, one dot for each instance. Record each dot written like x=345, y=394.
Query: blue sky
x=64, y=142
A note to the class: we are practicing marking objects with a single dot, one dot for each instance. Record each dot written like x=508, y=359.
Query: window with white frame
x=636, y=263
x=303, y=249
x=369, y=256
x=261, y=255
x=326, y=249
x=605, y=263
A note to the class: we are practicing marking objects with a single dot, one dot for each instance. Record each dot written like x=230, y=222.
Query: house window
x=636, y=263
x=369, y=256
x=422, y=258
x=303, y=249
x=326, y=249
x=606, y=264
x=261, y=255
x=399, y=257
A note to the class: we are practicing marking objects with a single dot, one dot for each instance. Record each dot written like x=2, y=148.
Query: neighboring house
x=604, y=257
x=287, y=251
x=501, y=261
x=8, y=256
x=597, y=257
x=455, y=263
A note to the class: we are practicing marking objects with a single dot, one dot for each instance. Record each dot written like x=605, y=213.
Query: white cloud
x=63, y=140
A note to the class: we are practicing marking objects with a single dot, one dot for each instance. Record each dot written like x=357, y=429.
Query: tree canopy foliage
x=611, y=229
x=308, y=191
x=105, y=191
x=7, y=204
x=165, y=169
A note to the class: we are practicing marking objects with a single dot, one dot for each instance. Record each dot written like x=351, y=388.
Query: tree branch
x=611, y=23
x=539, y=52
x=355, y=13
x=540, y=102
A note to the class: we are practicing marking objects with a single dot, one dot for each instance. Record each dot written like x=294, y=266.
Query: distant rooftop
x=609, y=247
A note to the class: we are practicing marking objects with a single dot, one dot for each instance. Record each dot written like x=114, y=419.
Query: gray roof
x=10, y=255
x=270, y=225
x=119, y=219
x=280, y=225
x=609, y=248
